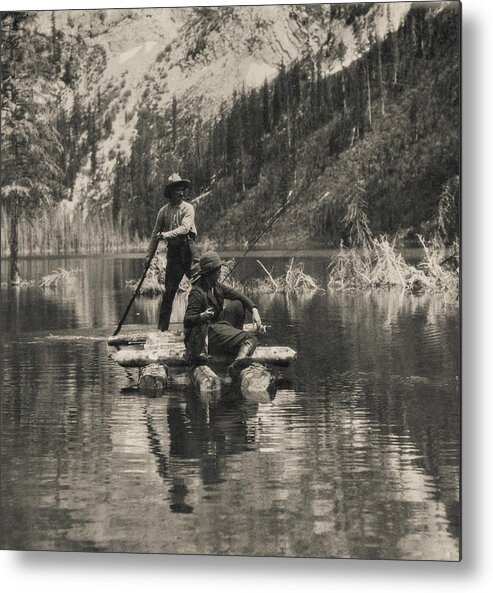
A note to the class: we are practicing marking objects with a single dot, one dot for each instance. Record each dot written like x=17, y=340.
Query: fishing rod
x=268, y=225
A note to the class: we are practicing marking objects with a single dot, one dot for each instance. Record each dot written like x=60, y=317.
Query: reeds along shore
x=378, y=265
x=371, y=262
x=54, y=231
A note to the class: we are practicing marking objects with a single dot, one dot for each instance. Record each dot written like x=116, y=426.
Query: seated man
x=206, y=318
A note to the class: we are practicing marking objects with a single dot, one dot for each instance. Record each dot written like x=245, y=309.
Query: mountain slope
x=391, y=152
x=198, y=55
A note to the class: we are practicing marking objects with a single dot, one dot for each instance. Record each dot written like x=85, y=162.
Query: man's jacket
x=201, y=297
x=177, y=221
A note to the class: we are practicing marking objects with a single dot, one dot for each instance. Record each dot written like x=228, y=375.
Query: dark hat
x=209, y=262
x=175, y=180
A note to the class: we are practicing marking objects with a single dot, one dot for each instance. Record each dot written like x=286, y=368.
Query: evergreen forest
x=373, y=146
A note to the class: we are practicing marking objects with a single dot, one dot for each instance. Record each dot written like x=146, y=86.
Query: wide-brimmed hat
x=175, y=180
x=209, y=262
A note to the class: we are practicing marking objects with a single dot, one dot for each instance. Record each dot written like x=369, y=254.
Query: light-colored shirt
x=175, y=221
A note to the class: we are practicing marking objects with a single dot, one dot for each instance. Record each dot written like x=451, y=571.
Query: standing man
x=207, y=320
x=175, y=224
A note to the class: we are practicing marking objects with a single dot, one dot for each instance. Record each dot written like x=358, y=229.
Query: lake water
x=355, y=456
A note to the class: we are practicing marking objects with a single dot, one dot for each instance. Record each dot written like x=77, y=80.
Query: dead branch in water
x=274, y=283
x=58, y=276
x=294, y=281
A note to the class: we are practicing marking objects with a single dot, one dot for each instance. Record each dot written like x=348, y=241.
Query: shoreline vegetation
x=377, y=265
x=54, y=232
x=364, y=262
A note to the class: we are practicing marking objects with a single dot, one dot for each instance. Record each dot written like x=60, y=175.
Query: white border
x=74, y=572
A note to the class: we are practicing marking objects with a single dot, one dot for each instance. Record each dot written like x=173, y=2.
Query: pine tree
x=380, y=76
x=174, y=122
x=266, y=107
x=395, y=48
x=29, y=173
x=92, y=138
x=55, y=49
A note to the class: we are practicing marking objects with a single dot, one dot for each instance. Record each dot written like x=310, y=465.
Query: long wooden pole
x=134, y=296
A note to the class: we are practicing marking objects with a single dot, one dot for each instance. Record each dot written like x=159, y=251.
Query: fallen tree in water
x=58, y=277
x=379, y=264
x=375, y=262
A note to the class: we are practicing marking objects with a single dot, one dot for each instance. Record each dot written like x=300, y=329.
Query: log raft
x=205, y=380
x=174, y=355
x=256, y=379
x=152, y=353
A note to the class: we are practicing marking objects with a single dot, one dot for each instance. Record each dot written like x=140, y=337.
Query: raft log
x=205, y=379
x=255, y=379
x=174, y=355
x=153, y=379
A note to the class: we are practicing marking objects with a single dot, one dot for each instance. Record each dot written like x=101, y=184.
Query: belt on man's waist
x=180, y=241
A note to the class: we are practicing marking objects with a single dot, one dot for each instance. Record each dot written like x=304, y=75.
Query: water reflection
x=202, y=429
x=357, y=455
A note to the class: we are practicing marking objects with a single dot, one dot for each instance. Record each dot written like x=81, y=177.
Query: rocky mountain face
x=116, y=61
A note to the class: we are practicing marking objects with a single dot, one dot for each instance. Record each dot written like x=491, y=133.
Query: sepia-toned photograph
x=230, y=280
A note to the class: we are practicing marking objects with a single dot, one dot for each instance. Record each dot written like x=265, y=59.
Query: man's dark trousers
x=225, y=336
x=181, y=260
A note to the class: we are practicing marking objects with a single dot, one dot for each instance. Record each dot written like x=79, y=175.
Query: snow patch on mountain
x=389, y=17
x=128, y=55
x=258, y=72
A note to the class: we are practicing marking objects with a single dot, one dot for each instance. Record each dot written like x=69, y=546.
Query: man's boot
x=198, y=361
x=243, y=358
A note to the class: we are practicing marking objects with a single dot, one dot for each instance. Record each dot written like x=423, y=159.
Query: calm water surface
x=356, y=455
